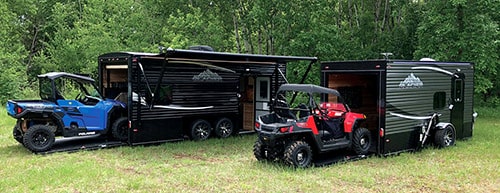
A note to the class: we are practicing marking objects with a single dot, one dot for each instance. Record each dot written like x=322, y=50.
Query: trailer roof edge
x=180, y=53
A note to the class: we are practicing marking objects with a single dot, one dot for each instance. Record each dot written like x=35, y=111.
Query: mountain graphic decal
x=411, y=82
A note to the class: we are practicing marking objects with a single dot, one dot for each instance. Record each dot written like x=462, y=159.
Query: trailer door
x=457, y=103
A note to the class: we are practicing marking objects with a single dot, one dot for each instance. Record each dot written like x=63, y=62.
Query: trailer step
x=82, y=143
x=334, y=157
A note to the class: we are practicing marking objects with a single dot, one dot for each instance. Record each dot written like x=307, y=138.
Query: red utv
x=307, y=120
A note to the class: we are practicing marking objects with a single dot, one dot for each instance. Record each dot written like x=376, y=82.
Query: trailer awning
x=209, y=56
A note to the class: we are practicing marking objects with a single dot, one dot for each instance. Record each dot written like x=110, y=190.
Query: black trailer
x=407, y=103
x=179, y=94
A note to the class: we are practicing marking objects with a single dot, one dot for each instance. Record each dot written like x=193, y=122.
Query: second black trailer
x=181, y=94
x=407, y=103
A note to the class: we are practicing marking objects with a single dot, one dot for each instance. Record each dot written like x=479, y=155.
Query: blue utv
x=70, y=106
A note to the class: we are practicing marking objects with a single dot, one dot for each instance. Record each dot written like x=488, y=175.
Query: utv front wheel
x=361, y=141
x=445, y=137
x=119, y=130
x=18, y=136
x=39, y=138
x=298, y=154
x=200, y=130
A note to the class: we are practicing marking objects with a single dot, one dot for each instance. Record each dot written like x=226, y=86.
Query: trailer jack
x=425, y=132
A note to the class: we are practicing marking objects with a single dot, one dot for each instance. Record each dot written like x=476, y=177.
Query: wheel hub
x=40, y=139
x=300, y=156
x=362, y=141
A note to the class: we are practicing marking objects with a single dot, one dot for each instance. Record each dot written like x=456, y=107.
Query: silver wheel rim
x=225, y=128
x=448, y=137
x=202, y=130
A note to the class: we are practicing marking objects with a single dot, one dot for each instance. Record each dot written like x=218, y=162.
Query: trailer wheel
x=200, y=130
x=224, y=128
x=445, y=137
x=119, y=130
x=39, y=138
x=298, y=154
x=361, y=141
x=18, y=136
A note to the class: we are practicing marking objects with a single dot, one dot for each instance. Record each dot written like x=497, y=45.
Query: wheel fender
x=442, y=125
x=308, y=137
x=351, y=120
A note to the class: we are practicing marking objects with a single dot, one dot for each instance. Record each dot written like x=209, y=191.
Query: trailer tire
x=224, y=128
x=298, y=154
x=200, y=130
x=445, y=137
x=361, y=141
x=119, y=130
x=39, y=138
x=18, y=136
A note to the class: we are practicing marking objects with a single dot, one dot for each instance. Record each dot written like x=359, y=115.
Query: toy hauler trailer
x=407, y=103
x=181, y=94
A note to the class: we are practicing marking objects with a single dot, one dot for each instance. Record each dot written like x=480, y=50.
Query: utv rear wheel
x=361, y=141
x=39, y=138
x=224, y=128
x=445, y=137
x=298, y=154
x=18, y=136
x=119, y=130
x=200, y=130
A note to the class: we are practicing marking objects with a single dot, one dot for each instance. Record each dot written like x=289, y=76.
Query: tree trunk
x=236, y=33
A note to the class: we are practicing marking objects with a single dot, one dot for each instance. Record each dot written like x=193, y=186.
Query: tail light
x=18, y=109
x=257, y=125
x=381, y=132
x=286, y=129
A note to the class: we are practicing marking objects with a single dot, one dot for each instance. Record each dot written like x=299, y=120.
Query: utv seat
x=303, y=111
x=283, y=110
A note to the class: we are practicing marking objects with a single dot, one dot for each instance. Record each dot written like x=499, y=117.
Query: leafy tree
x=11, y=54
x=464, y=30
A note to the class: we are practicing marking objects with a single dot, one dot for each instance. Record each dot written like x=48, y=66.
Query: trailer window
x=164, y=95
x=458, y=90
x=263, y=89
x=439, y=100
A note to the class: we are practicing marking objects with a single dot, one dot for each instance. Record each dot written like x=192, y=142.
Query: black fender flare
x=40, y=115
x=356, y=123
x=308, y=137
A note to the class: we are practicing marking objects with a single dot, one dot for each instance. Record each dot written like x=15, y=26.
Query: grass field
x=229, y=166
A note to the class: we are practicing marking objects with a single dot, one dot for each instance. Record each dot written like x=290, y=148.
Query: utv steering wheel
x=86, y=99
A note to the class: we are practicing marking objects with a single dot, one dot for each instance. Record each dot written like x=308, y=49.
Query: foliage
x=55, y=35
x=463, y=31
x=11, y=55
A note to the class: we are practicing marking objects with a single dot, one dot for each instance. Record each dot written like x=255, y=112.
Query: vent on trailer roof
x=201, y=48
x=427, y=60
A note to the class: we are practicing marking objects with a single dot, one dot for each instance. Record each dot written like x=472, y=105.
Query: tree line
x=40, y=36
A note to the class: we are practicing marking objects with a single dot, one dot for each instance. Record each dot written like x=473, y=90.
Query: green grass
x=229, y=166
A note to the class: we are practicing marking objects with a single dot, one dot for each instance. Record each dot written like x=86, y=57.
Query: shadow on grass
x=14, y=150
